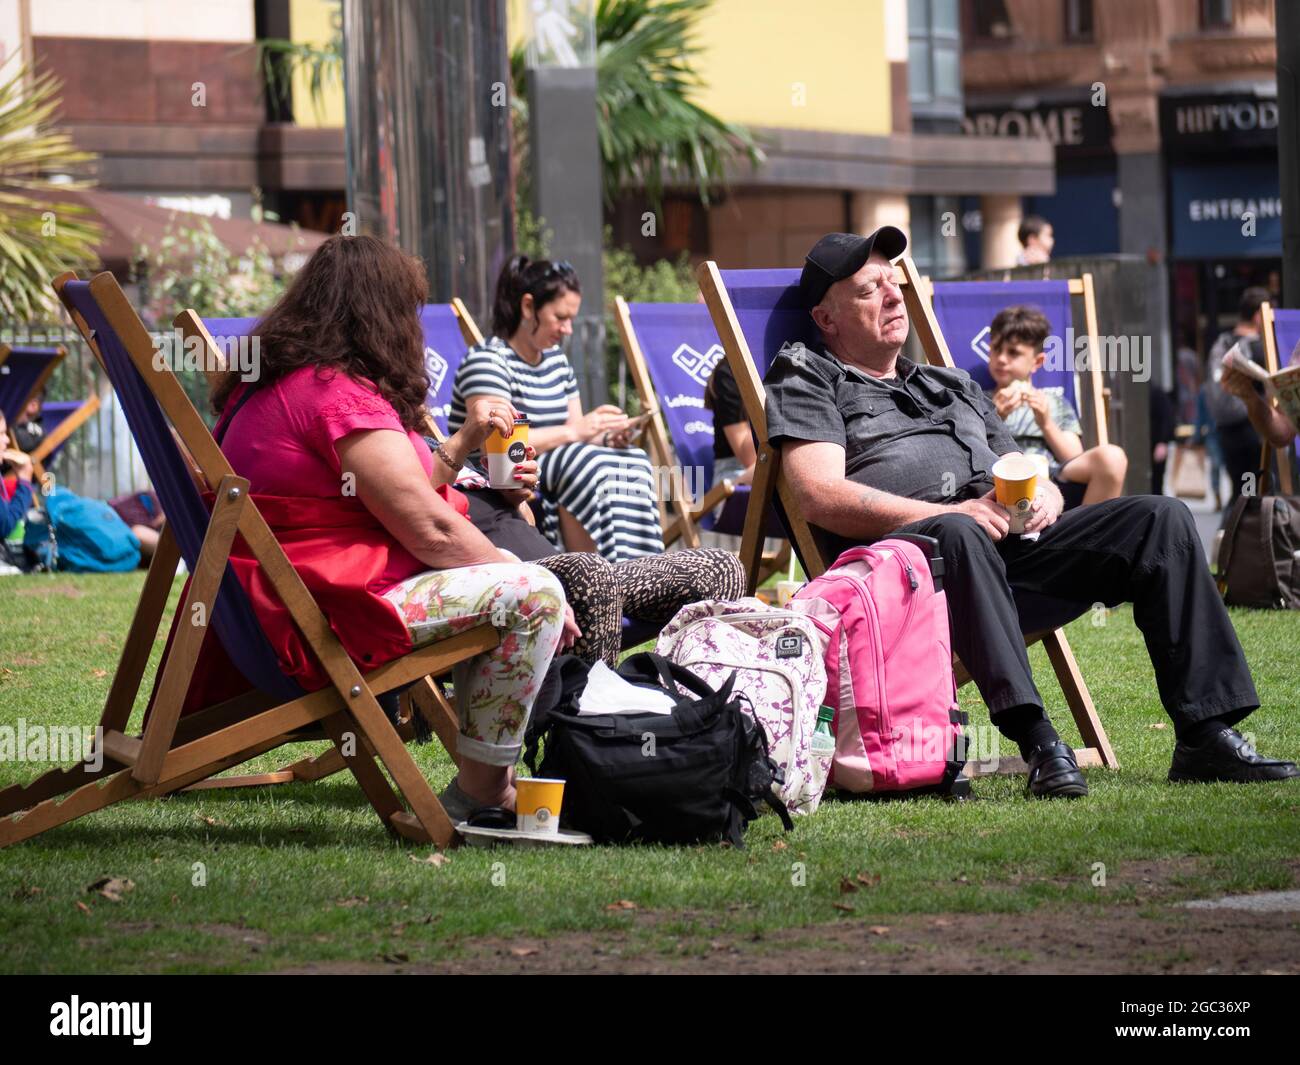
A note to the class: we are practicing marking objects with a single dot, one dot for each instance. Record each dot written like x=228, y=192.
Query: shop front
x=1224, y=202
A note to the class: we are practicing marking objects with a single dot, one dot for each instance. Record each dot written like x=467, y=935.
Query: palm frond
x=40, y=234
x=648, y=125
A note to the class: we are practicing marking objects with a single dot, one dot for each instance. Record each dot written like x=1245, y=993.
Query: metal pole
x=566, y=186
x=1288, y=144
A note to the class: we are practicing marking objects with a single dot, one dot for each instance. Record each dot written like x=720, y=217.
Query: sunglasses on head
x=557, y=269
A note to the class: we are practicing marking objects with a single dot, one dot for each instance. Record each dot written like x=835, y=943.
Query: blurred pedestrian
x=1036, y=241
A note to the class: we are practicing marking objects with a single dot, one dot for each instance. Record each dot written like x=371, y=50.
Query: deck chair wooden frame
x=74, y=421
x=770, y=482
x=173, y=752
x=680, y=514
x=1273, y=362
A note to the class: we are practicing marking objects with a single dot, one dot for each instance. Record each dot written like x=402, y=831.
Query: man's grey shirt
x=929, y=434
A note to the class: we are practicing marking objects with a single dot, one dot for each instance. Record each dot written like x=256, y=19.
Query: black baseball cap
x=840, y=255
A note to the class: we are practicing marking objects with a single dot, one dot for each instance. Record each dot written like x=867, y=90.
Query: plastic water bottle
x=823, y=740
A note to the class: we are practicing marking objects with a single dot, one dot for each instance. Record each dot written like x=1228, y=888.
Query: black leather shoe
x=1228, y=756
x=1054, y=774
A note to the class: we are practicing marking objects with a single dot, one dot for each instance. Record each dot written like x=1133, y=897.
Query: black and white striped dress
x=611, y=491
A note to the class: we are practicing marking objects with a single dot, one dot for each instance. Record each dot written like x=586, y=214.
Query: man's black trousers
x=1142, y=550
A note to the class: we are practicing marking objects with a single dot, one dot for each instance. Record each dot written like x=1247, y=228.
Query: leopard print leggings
x=652, y=588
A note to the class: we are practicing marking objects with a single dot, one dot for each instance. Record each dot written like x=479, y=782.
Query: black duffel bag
x=692, y=776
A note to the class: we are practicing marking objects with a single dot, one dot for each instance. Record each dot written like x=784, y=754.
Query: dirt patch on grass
x=1148, y=933
x=248, y=937
x=1036, y=943
x=47, y=591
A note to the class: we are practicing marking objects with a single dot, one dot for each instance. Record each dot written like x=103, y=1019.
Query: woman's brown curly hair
x=354, y=307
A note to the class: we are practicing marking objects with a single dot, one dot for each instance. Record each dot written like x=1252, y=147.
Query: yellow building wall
x=795, y=64
x=310, y=22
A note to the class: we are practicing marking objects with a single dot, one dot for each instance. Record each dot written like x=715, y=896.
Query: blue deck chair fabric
x=1286, y=330
x=20, y=373
x=233, y=619
x=681, y=349
x=770, y=311
x=444, y=351
x=965, y=310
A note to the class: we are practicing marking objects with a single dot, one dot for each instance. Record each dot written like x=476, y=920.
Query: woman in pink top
x=332, y=416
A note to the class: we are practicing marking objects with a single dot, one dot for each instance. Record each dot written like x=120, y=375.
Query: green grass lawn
x=270, y=878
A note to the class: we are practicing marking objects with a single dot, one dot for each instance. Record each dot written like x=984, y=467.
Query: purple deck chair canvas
x=22, y=372
x=233, y=619
x=1286, y=331
x=681, y=350
x=444, y=351
x=1286, y=327
x=965, y=310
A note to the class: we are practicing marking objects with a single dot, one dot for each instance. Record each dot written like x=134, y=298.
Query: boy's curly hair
x=1019, y=325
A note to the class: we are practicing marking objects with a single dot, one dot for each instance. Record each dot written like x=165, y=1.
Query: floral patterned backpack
x=777, y=656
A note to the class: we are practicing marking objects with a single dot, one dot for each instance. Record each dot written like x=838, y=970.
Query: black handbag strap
x=219, y=433
x=1230, y=534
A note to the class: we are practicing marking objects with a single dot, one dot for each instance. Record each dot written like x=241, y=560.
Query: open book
x=1283, y=385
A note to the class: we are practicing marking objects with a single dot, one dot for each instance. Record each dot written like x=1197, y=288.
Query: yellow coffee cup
x=537, y=805
x=504, y=453
x=1015, y=480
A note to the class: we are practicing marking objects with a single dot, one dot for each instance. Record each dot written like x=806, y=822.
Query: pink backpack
x=888, y=670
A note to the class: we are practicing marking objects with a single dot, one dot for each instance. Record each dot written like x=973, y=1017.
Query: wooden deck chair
x=24, y=372
x=1281, y=337
x=671, y=349
x=61, y=419
x=172, y=751
x=759, y=310
x=965, y=309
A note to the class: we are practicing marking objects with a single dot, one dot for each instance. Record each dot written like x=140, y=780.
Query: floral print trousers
x=495, y=690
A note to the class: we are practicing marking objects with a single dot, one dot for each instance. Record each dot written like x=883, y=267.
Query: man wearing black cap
x=873, y=444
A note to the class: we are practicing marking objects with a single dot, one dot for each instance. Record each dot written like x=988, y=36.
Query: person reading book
x=1041, y=420
x=1270, y=422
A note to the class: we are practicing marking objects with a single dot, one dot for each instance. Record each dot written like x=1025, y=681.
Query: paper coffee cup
x=785, y=591
x=1015, y=480
x=537, y=805
x=504, y=453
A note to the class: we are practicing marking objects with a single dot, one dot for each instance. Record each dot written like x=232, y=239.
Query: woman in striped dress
x=597, y=492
